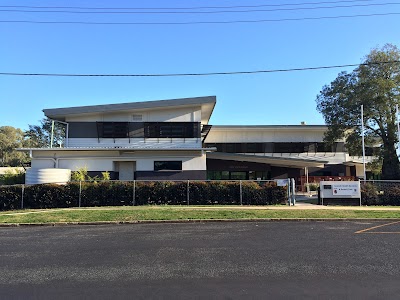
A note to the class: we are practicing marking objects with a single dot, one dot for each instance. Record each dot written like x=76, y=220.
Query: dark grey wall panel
x=82, y=130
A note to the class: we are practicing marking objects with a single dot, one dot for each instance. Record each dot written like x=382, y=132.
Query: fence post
x=22, y=197
x=134, y=193
x=241, y=194
x=187, y=193
x=80, y=193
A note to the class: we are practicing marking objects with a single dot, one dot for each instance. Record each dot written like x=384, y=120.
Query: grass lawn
x=141, y=213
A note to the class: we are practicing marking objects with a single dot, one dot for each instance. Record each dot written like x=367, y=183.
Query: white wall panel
x=195, y=163
x=42, y=163
x=185, y=114
x=91, y=164
x=260, y=136
x=188, y=114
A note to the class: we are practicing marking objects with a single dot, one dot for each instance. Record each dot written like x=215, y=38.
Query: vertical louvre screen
x=148, y=129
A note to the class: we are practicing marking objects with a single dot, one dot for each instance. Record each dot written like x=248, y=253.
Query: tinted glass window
x=167, y=165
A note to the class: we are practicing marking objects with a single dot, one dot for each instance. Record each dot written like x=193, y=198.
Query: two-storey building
x=172, y=140
x=138, y=140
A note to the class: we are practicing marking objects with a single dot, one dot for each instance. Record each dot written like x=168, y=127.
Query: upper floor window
x=172, y=129
x=113, y=129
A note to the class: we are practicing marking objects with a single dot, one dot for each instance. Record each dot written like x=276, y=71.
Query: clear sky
x=273, y=98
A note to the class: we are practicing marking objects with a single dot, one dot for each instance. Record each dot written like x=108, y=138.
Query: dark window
x=289, y=147
x=230, y=148
x=324, y=147
x=172, y=129
x=113, y=129
x=167, y=165
x=254, y=147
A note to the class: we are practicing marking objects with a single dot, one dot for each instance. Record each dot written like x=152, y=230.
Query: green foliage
x=105, y=175
x=313, y=186
x=386, y=194
x=10, y=139
x=79, y=175
x=110, y=193
x=376, y=85
x=13, y=176
x=39, y=136
x=82, y=175
x=369, y=194
x=10, y=197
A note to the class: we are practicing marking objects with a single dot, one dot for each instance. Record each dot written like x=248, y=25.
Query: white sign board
x=281, y=182
x=340, y=189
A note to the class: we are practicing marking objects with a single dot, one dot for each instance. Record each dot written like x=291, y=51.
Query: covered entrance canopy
x=279, y=161
x=233, y=166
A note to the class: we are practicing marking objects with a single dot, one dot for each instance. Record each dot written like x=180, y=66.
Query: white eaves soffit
x=271, y=160
x=207, y=104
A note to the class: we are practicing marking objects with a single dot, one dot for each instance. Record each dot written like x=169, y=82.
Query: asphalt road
x=274, y=260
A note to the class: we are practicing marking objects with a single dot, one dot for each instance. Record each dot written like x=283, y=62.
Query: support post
x=187, y=193
x=398, y=128
x=67, y=136
x=307, y=183
x=241, y=192
x=363, y=143
x=134, y=193
x=52, y=134
x=22, y=196
x=80, y=193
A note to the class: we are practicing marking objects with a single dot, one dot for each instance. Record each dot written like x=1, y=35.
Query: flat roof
x=207, y=104
x=321, y=127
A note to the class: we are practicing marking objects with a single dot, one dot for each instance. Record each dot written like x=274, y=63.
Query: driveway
x=277, y=260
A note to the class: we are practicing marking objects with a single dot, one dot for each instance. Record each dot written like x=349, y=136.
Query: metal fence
x=189, y=192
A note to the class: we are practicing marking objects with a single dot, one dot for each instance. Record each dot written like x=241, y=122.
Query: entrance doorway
x=127, y=170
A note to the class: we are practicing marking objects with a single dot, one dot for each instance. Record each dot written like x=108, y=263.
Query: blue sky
x=274, y=98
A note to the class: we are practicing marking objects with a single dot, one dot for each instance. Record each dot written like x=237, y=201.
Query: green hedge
x=116, y=193
x=385, y=195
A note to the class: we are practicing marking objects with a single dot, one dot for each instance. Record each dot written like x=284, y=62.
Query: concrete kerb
x=55, y=224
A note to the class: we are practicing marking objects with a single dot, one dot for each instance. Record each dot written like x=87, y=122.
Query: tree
x=375, y=84
x=39, y=136
x=10, y=139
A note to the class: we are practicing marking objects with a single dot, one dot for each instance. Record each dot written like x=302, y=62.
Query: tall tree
x=39, y=136
x=10, y=139
x=375, y=84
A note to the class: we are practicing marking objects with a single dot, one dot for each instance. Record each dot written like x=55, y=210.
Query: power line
x=197, y=74
x=185, y=8
x=199, y=12
x=199, y=22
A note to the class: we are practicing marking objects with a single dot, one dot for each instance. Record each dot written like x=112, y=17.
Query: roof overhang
x=206, y=103
x=271, y=160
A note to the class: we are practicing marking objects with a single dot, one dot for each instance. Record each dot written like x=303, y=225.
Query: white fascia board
x=116, y=149
x=269, y=128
